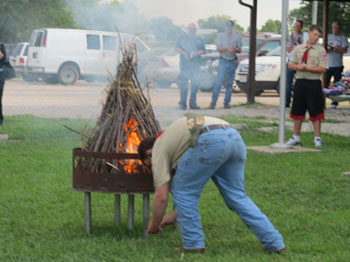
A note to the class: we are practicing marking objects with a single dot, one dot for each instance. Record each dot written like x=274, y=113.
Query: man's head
x=192, y=29
x=336, y=27
x=314, y=33
x=229, y=25
x=145, y=150
x=298, y=26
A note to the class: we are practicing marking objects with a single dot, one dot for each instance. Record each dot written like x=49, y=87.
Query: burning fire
x=132, y=142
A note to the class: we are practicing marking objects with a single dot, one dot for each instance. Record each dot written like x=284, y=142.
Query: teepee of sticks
x=127, y=115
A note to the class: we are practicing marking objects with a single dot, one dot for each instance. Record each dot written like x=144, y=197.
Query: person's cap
x=230, y=23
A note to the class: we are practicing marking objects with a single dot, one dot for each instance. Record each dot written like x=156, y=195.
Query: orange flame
x=132, y=142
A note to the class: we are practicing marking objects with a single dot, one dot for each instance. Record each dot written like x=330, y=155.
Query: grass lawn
x=42, y=219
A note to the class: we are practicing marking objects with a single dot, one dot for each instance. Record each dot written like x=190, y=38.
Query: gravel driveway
x=84, y=100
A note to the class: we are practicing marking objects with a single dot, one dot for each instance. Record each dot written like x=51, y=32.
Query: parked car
x=163, y=69
x=263, y=45
x=18, y=60
x=268, y=69
x=66, y=55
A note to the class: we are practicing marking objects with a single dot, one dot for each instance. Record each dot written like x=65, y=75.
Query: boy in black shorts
x=309, y=60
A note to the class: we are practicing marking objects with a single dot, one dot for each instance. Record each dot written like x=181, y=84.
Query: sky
x=182, y=12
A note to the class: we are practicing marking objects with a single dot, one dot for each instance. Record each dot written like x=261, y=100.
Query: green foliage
x=164, y=29
x=337, y=11
x=273, y=26
x=218, y=22
x=19, y=18
x=42, y=219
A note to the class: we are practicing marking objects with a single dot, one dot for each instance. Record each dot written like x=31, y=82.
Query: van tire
x=68, y=74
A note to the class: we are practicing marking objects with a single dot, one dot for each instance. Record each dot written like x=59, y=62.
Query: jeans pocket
x=211, y=151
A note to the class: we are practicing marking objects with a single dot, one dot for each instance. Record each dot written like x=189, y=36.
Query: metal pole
x=252, y=50
x=314, y=12
x=117, y=210
x=281, y=137
x=145, y=213
x=325, y=33
x=131, y=204
x=88, y=212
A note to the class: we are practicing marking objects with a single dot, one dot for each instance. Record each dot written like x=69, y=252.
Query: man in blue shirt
x=229, y=45
x=190, y=47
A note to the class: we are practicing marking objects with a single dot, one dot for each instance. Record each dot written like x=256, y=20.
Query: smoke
x=124, y=17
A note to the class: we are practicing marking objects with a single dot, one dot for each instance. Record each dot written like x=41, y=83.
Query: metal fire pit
x=114, y=181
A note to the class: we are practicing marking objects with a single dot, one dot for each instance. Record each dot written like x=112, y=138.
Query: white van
x=66, y=55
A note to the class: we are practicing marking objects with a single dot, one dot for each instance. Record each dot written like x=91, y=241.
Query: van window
x=109, y=42
x=37, y=38
x=93, y=42
x=25, y=53
x=17, y=50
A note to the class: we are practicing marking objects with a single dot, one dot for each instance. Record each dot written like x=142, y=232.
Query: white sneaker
x=318, y=142
x=293, y=142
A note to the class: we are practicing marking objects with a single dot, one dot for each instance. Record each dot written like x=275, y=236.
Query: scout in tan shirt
x=216, y=151
x=310, y=61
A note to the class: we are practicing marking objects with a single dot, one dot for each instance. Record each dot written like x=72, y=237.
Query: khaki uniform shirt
x=170, y=147
x=317, y=57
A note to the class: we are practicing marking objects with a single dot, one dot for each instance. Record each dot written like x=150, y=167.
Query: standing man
x=310, y=61
x=201, y=148
x=229, y=45
x=190, y=47
x=337, y=45
x=295, y=39
x=3, y=59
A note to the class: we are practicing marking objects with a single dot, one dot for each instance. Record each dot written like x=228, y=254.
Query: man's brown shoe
x=197, y=250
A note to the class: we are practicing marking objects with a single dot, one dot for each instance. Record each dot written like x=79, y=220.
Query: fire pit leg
x=145, y=214
x=117, y=210
x=131, y=204
x=88, y=212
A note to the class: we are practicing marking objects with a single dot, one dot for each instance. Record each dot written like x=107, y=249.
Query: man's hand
x=153, y=229
x=1, y=55
x=302, y=67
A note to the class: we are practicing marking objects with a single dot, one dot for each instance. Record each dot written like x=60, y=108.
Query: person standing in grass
x=309, y=60
x=2, y=78
x=296, y=39
x=229, y=45
x=337, y=46
x=191, y=48
x=199, y=149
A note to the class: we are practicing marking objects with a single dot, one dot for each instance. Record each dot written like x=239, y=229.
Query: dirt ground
x=84, y=100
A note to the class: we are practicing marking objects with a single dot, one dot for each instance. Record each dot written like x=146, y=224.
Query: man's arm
x=304, y=67
x=181, y=52
x=160, y=202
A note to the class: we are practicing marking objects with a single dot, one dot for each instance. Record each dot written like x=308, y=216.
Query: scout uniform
x=308, y=88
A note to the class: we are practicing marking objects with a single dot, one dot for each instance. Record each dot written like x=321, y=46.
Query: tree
x=164, y=29
x=338, y=11
x=19, y=18
x=218, y=22
x=273, y=26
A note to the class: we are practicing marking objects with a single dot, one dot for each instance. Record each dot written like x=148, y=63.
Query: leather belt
x=213, y=127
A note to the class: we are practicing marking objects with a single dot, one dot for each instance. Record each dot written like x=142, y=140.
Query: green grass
x=42, y=219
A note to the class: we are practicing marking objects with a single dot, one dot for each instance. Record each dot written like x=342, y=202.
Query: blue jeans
x=182, y=81
x=289, y=85
x=219, y=155
x=226, y=70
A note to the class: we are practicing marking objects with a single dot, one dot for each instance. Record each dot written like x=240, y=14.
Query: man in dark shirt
x=190, y=47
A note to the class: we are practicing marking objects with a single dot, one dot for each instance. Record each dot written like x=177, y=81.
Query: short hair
x=230, y=23
x=337, y=23
x=315, y=27
x=145, y=144
x=301, y=22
